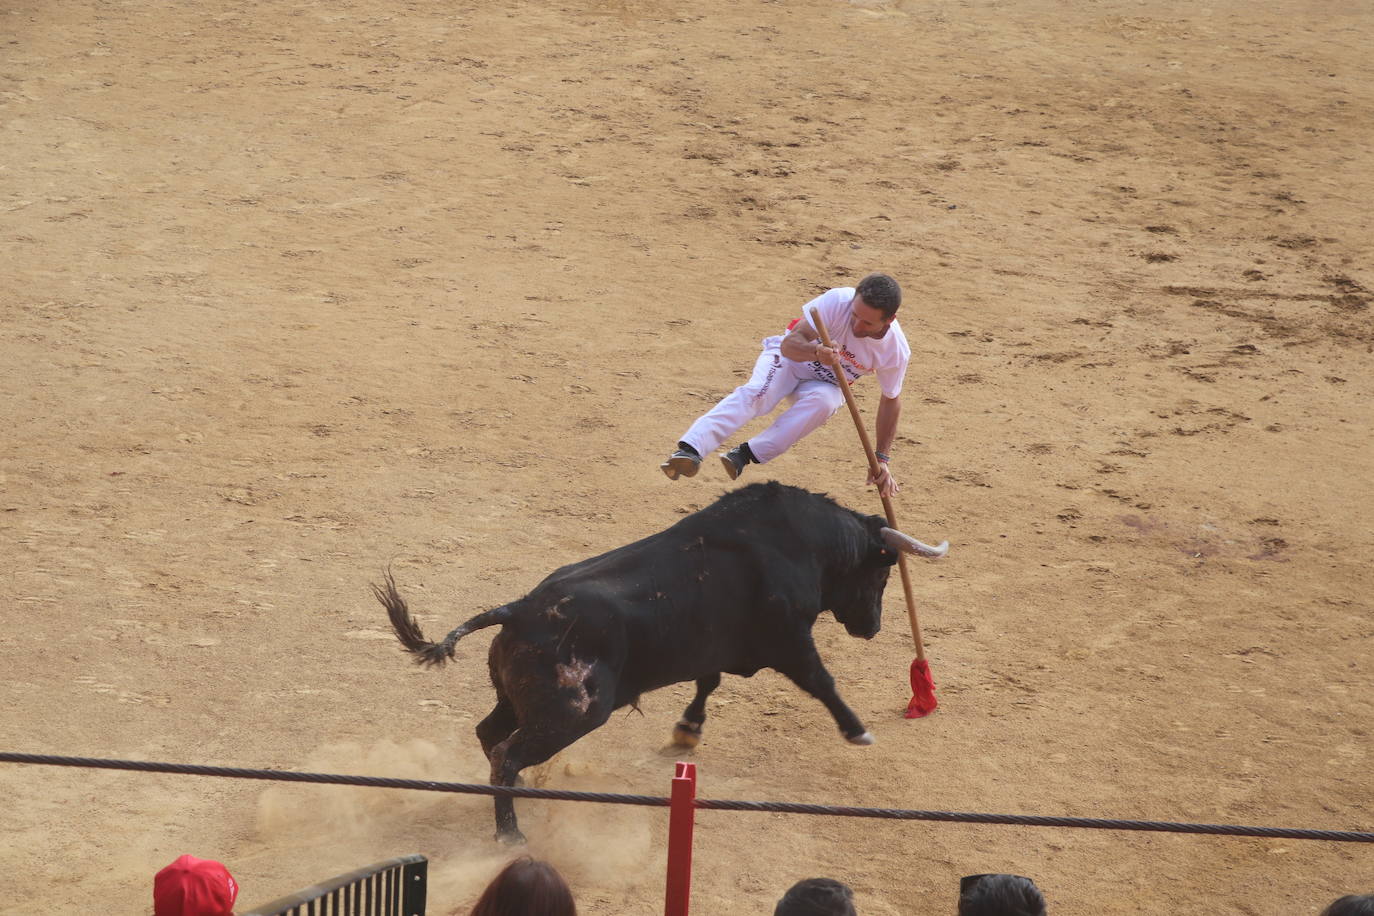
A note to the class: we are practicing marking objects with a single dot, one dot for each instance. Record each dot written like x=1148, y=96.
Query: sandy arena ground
x=296, y=289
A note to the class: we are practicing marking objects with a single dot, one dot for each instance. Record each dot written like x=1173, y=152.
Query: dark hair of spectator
x=881, y=292
x=999, y=895
x=816, y=897
x=526, y=887
x=1351, y=905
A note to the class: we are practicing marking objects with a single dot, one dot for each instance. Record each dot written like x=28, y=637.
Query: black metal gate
x=395, y=887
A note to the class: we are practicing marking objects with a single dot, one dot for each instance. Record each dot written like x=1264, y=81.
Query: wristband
x=881, y=457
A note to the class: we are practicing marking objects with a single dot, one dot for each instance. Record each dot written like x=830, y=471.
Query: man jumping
x=862, y=321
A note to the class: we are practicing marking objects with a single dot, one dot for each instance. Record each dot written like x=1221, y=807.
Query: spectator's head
x=526, y=887
x=816, y=897
x=1351, y=905
x=999, y=895
x=194, y=887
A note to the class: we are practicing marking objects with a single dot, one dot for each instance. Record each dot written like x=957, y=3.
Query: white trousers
x=812, y=403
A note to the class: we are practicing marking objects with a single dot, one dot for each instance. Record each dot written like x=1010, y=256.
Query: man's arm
x=889, y=412
x=803, y=345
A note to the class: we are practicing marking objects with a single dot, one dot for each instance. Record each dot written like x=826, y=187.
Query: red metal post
x=681, y=820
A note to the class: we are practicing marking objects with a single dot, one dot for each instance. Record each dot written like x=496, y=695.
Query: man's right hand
x=827, y=356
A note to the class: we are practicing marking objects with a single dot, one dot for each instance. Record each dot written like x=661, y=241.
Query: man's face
x=865, y=320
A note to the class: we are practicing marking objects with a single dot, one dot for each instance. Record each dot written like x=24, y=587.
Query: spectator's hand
x=887, y=484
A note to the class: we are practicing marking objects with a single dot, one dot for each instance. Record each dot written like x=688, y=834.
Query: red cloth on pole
x=681, y=820
x=923, y=700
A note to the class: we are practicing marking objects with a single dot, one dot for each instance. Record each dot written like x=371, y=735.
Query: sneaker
x=681, y=463
x=734, y=461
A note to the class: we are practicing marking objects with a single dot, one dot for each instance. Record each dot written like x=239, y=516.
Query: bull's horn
x=908, y=544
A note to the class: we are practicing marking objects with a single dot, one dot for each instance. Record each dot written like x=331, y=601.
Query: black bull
x=733, y=588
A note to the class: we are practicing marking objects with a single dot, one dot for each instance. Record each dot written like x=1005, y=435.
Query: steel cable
x=703, y=804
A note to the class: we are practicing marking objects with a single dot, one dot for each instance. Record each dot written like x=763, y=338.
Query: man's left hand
x=887, y=484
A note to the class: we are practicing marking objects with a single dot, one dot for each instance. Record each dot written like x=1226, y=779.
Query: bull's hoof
x=512, y=837
x=864, y=739
x=687, y=734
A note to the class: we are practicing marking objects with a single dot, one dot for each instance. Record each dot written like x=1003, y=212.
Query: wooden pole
x=873, y=469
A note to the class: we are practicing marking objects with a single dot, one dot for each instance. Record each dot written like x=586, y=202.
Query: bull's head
x=856, y=599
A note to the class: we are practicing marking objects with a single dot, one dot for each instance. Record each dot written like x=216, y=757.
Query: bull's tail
x=407, y=629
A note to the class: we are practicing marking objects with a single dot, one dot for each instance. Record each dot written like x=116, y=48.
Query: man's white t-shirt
x=887, y=357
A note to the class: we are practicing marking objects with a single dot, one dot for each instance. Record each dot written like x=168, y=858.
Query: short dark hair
x=1351, y=905
x=999, y=895
x=526, y=886
x=881, y=292
x=817, y=897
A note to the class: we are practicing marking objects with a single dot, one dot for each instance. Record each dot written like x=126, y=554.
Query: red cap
x=194, y=887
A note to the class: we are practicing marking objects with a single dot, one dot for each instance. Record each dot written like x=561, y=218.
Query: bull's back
x=684, y=607
x=712, y=593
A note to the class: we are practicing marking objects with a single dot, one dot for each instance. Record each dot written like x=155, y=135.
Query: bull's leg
x=687, y=732
x=808, y=672
x=505, y=769
x=496, y=727
x=549, y=720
